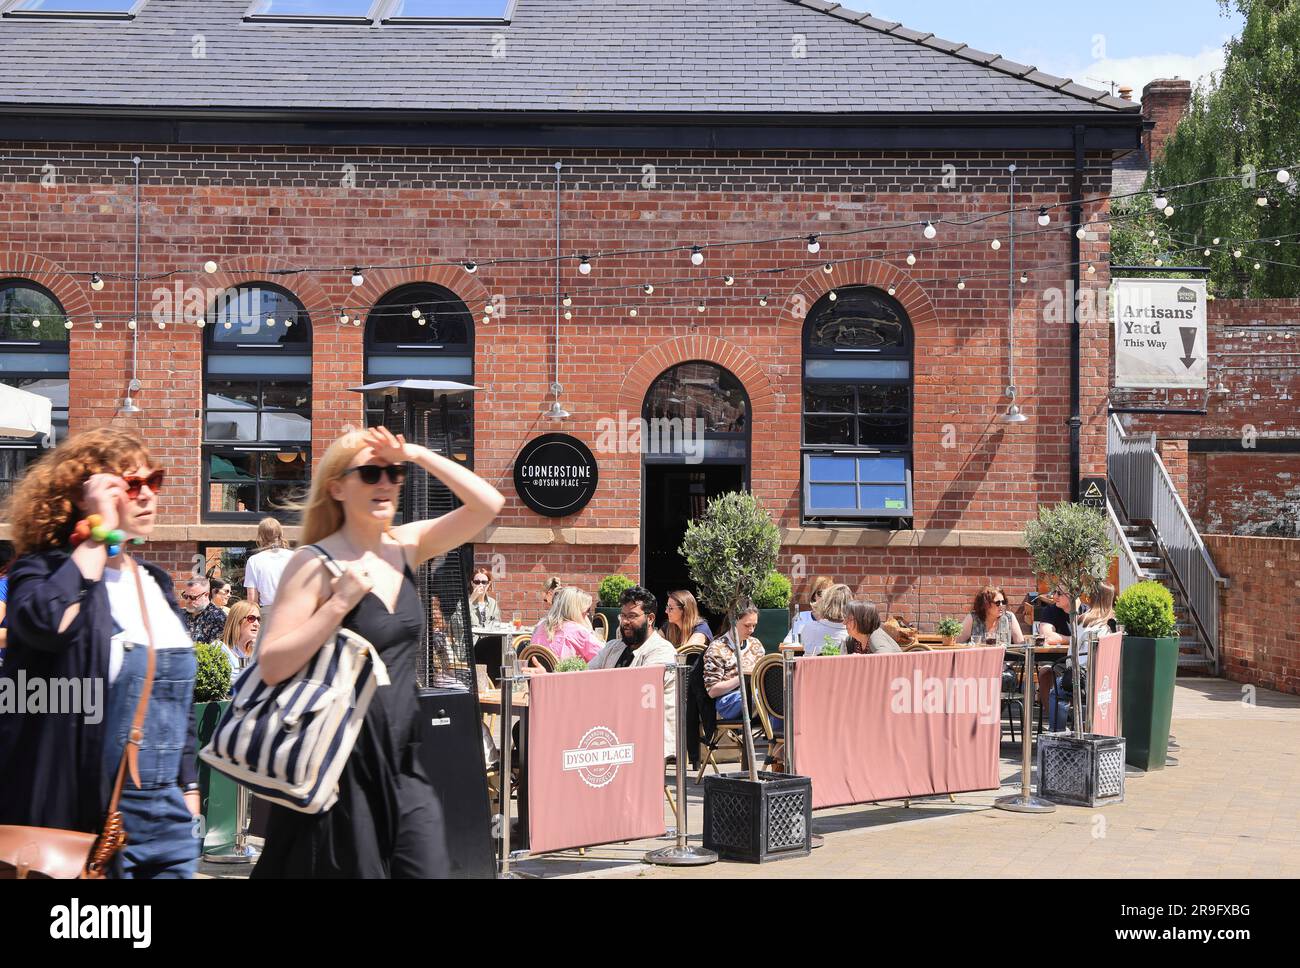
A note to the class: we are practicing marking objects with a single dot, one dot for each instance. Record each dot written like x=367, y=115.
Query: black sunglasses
x=370, y=473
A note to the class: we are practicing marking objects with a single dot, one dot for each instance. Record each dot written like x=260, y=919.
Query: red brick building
x=408, y=150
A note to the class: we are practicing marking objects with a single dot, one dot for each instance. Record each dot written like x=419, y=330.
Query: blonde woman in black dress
x=387, y=821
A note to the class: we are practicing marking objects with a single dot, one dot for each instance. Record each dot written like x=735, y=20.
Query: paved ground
x=1231, y=808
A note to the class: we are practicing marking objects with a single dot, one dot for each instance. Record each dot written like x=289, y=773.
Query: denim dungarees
x=161, y=834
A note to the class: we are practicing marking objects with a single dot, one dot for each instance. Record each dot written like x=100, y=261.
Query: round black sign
x=556, y=475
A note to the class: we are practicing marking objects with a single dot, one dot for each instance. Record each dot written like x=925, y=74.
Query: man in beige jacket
x=639, y=644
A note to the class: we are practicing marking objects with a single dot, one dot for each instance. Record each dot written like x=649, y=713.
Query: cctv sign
x=1160, y=333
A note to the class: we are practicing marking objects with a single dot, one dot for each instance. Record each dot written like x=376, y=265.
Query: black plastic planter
x=758, y=821
x=1082, y=771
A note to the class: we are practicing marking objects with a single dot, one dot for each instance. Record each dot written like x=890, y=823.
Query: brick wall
x=1164, y=102
x=1259, y=644
x=1239, y=486
x=259, y=211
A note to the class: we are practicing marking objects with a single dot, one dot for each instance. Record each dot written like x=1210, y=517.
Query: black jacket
x=51, y=763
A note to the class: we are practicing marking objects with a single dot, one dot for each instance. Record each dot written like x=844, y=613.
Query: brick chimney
x=1164, y=102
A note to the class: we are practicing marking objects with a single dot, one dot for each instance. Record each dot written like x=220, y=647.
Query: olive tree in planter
x=1070, y=549
x=730, y=550
x=1148, y=667
x=218, y=793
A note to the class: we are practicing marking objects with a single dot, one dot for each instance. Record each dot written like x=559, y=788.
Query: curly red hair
x=42, y=510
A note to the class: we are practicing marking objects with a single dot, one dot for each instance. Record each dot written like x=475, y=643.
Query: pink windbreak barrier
x=595, y=757
x=1103, y=684
x=891, y=725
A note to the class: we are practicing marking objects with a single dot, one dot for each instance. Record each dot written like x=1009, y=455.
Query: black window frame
x=893, y=518
x=225, y=448
x=744, y=436
x=237, y=591
x=31, y=449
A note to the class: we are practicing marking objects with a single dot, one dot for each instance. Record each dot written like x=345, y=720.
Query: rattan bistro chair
x=541, y=653
x=727, y=734
x=600, y=624
x=768, y=680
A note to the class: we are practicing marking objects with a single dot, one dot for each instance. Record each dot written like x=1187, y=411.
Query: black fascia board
x=893, y=132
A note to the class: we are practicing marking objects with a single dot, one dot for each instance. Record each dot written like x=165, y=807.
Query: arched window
x=257, y=403
x=425, y=332
x=857, y=408
x=696, y=410
x=33, y=357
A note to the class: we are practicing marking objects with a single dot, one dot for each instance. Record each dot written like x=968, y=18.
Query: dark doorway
x=675, y=494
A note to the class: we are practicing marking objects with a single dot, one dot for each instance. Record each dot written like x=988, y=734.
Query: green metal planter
x=773, y=623
x=1147, y=671
x=218, y=792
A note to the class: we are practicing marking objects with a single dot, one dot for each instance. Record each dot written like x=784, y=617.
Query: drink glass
x=517, y=621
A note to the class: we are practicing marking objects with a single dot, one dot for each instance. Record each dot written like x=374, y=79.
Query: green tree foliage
x=730, y=549
x=1146, y=610
x=1242, y=122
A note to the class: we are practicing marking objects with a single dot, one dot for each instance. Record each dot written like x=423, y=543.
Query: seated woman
x=721, y=679
x=862, y=622
x=1100, y=618
x=815, y=592
x=483, y=608
x=239, y=637
x=566, y=630
x=827, y=624
x=989, y=618
x=684, y=626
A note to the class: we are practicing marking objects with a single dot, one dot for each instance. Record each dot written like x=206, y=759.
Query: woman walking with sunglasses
x=82, y=609
x=387, y=821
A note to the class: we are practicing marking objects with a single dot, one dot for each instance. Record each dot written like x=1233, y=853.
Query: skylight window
x=448, y=11
x=339, y=10
x=370, y=12
x=108, y=9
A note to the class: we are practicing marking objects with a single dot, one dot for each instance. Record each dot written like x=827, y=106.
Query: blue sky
x=1127, y=41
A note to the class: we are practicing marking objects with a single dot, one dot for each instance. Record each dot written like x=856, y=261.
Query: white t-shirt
x=124, y=603
x=263, y=571
x=816, y=634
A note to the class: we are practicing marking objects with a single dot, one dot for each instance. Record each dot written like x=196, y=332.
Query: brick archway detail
x=711, y=349
x=911, y=295
x=67, y=288
x=302, y=286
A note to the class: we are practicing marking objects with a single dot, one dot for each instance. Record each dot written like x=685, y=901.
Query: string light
x=648, y=289
x=567, y=300
x=1169, y=211
x=1024, y=278
x=36, y=323
x=961, y=283
x=356, y=320
x=209, y=267
x=1207, y=252
x=1262, y=201
x=568, y=314
x=697, y=256
x=1283, y=176
x=471, y=267
x=834, y=295
x=891, y=290
x=130, y=324
x=930, y=231
x=700, y=308
x=270, y=322
x=1216, y=240
x=728, y=280
x=995, y=244
x=584, y=266
x=762, y=300
x=287, y=323
x=1160, y=201
x=1257, y=266
x=1159, y=262
x=1092, y=269
x=828, y=268
x=96, y=283
x=911, y=258
x=1043, y=218
x=67, y=324
x=489, y=308
x=343, y=319
x=161, y=324
x=98, y=324
x=358, y=277
x=814, y=246
x=415, y=313
x=1236, y=253
x=1082, y=233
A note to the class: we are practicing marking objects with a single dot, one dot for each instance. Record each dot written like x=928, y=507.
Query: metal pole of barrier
x=242, y=852
x=509, y=675
x=788, y=656
x=682, y=854
x=1025, y=801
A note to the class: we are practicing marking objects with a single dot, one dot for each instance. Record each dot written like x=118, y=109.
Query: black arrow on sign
x=1188, y=334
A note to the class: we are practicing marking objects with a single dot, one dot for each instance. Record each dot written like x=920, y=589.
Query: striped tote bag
x=288, y=743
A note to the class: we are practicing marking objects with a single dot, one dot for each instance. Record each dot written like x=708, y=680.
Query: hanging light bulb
x=1276, y=243
x=200, y=322
x=343, y=318
x=834, y=295
x=995, y=244
x=828, y=268
x=911, y=258
x=700, y=308
x=96, y=283
x=1257, y=266
x=697, y=256
x=567, y=300
x=1283, y=176
x=584, y=266
x=161, y=324
x=130, y=324
x=762, y=300
x=891, y=290
x=961, y=283
x=1024, y=278
x=67, y=324
x=1169, y=210
x=1043, y=218
x=1092, y=269
x=1236, y=253
x=929, y=231
x=1159, y=262
x=1151, y=233
x=1207, y=252
x=1160, y=201
x=489, y=308
x=648, y=289
x=209, y=267
x=356, y=320
x=568, y=314
x=270, y=321
x=728, y=280
x=813, y=245
x=471, y=267
x=358, y=277
x=1081, y=233
x=36, y=324
x=415, y=313
x=632, y=311
x=288, y=323
x=98, y=324
x=487, y=320
x=1216, y=240
x=1262, y=201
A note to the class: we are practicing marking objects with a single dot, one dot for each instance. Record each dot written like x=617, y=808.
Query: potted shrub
x=730, y=550
x=607, y=595
x=211, y=697
x=949, y=628
x=574, y=663
x=1070, y=549
x=773, y=600
x=1148, y=666
x=830, y=648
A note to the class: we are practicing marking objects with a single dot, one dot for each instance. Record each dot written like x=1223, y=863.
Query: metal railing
x=1146, y=493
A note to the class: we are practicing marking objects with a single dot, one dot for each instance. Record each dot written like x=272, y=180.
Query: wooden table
x=490, y=645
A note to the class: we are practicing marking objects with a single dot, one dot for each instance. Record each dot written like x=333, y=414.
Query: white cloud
x=1137, y=72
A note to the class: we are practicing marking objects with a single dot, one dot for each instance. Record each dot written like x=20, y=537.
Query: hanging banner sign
x=1160, y=333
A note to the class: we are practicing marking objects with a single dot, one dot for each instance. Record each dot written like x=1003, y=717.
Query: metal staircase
x=1159, y=542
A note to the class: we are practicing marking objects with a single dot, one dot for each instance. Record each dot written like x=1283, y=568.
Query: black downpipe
x=1076, y=220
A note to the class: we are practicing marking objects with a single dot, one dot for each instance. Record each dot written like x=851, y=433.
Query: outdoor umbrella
x=24, y=414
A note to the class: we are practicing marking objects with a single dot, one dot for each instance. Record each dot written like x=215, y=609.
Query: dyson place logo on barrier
x=1104, y=694
x=927, y=695
x=598, y=757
